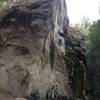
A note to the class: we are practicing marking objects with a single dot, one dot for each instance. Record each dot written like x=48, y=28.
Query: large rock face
x=32, y=52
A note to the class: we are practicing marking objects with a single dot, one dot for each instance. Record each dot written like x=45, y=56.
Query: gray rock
x=33, y=39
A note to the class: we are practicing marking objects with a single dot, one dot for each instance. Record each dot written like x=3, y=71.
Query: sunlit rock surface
x=33, y=44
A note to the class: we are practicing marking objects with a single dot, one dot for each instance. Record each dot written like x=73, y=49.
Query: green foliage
x=93, y=54
x=84, y=26
x=94, y=34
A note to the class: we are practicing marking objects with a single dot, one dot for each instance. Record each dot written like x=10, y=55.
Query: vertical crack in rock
x=52, y=54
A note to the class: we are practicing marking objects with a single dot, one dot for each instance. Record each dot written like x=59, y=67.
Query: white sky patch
x=77, y=9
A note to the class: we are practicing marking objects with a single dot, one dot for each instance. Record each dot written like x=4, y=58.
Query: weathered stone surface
x=32, y=50
x=33, y=39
